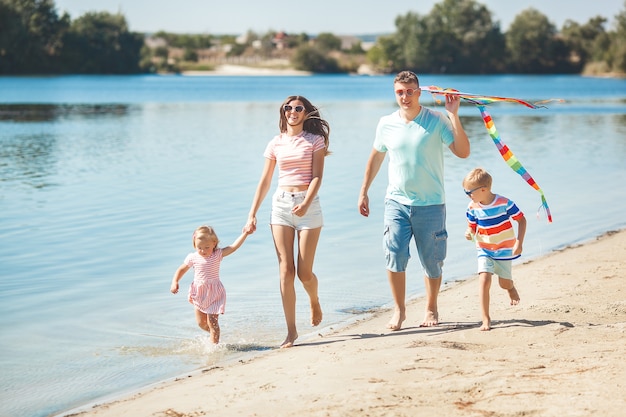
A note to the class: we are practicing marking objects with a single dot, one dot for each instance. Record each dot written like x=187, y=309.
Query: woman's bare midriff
x=294, y=188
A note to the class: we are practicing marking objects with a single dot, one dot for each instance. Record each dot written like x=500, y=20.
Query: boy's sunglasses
x=298, y=109
x=469, y=192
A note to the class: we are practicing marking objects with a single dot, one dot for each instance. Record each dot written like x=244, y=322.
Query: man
x=414, y=137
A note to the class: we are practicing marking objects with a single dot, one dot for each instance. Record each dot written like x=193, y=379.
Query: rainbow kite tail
x=511, y=159
x=544, y=206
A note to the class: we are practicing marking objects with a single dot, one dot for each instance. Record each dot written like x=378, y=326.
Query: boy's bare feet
x=431, y=318
x=316, y=313
x=486, y=325
x=396, y=320
x=514, y=296
x=289, y=341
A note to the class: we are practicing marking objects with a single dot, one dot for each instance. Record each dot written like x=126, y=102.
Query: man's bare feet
x=486, y=325
x=316, y=313
x=289, y=341
x=431, y=318
x=396, y=320
x=514, y=296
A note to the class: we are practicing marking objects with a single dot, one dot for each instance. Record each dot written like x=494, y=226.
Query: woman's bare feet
x=316, y=313
x=431, y=318
x=396, y=320
x=289, y=341
x=514, y=296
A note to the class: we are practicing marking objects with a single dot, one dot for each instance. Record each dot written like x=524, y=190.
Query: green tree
x=328, y=42
x=585, y=40
x=162, y=52
x=534, y=47
x=618, y=43
x=190, y=55
x=185, y=41
x=30, y=36
x=267, y=43
x=407, y=48
x=293, y=41
x=462, y=38
x=457, y=36
x=311, y=58
x=100, y=43
x=11, y=32
x=237, y=49
x=383, y=54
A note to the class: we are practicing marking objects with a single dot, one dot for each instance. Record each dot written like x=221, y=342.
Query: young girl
x=206, y=292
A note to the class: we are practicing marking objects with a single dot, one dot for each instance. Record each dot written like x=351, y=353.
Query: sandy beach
x=244, y=70
x=560, y=352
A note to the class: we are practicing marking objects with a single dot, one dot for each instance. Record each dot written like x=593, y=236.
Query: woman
x=299, y=151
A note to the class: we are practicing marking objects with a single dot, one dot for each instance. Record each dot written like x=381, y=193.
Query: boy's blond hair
x=477, y=177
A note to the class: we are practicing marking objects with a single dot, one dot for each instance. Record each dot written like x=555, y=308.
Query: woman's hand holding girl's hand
x=250, y=227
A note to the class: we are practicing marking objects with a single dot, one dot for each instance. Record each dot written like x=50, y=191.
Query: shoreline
x=537, y=359
x=242, y=70
x=365, y=70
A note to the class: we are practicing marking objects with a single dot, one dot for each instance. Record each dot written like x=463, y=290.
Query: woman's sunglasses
x=297, y=109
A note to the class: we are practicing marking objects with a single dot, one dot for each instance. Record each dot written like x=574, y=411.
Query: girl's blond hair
x=204, y=233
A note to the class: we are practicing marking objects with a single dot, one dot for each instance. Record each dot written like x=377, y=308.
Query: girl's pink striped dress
x=207, y=293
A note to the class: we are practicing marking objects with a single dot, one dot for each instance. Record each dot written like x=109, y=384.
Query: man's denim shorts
x=426, y=224
x=282, y=204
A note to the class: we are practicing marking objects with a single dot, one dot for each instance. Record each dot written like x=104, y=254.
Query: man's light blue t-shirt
x=415, y=151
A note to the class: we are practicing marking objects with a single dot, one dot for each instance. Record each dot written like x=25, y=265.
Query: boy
x=489, y=222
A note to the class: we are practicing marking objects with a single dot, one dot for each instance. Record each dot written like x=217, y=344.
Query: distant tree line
x=34, y=39
x=456, y=37
x=460, y=37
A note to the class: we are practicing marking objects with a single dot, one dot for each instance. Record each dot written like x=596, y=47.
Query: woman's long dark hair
x=313, y=123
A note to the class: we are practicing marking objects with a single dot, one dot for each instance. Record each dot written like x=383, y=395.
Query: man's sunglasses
x=409, y=92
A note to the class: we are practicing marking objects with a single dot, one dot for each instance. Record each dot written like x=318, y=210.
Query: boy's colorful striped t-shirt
x=492, y=227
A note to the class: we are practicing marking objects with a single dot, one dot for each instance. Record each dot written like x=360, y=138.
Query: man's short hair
x=406, y=77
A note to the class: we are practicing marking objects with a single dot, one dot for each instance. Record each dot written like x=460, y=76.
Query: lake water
x=103, y=180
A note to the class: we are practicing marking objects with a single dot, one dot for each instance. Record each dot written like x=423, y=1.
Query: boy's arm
x=471, y=225
x=235, y=245
x=521, y=232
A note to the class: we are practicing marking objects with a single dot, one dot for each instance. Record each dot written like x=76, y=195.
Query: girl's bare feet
x=514, y=296
x=431, y=318
x=289, y=341
x=396, y=320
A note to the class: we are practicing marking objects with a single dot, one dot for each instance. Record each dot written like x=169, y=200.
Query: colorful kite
x=509, y=157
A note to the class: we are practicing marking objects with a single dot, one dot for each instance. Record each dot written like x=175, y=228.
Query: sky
x=340, y=17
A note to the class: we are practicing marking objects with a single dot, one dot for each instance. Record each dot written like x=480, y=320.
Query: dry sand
x=560, y=352
x=247, y=71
